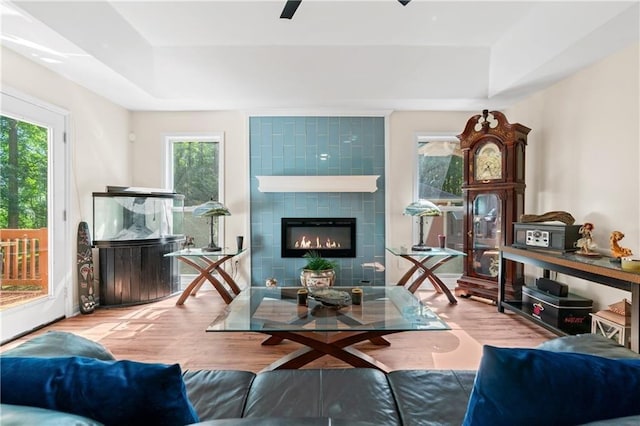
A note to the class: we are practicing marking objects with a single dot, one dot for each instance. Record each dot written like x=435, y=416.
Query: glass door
x=32, y=216
x=487, y=218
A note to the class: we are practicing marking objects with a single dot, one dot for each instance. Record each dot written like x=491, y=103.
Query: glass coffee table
x=326, y=330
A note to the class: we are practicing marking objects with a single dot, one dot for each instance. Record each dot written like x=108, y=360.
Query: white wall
x=97, y=136
x=583, y=155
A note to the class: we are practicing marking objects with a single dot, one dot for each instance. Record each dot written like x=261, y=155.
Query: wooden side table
x=208, y=263
x=426, y=263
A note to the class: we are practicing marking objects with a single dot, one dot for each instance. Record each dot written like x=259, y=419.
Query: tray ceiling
x=345, y=55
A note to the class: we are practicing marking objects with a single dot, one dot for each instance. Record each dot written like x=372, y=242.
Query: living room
x=582, y=151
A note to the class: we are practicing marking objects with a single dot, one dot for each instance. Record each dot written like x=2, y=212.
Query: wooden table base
x=427, y=273
x=206, y=274
x=335, y=344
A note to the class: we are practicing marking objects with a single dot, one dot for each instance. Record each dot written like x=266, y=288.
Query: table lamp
x=211, y=209
x=423, y=209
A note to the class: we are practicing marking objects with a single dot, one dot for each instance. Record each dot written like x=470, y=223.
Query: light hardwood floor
x=164, y=332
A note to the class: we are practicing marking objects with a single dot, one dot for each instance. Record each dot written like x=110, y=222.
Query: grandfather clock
x=493, y=192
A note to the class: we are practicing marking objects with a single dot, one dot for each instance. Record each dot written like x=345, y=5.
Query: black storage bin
x=569, y=314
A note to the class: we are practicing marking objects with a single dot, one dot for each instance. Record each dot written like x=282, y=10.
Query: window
x=195, y=169
x=439, y=180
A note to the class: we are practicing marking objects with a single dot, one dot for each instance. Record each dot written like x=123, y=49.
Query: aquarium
x=137, y=215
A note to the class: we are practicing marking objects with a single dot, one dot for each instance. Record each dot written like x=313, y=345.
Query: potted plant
x=318, y=272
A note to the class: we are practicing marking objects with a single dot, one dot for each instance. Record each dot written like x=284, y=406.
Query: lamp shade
x=422, y=208
x=211, y=208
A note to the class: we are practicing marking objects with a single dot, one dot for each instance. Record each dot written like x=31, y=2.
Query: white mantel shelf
x=359, y=183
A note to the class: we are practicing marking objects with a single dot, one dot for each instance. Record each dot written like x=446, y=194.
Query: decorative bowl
x=331, y=297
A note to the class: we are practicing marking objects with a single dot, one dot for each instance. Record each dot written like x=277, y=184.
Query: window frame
x=208, y=137
x=448, y=277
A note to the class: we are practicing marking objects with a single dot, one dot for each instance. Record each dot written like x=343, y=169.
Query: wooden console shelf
x=600, y=271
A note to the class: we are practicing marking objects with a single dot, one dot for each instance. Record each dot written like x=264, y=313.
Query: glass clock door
x=487, y=234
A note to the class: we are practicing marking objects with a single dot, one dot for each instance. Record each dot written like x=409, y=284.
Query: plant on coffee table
x=318, y=272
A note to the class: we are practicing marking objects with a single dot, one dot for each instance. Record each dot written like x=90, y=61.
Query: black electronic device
x=546, y=236
x=552, y=287
x=569, y=314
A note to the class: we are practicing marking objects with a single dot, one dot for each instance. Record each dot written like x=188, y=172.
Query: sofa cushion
x=593, y=344
x=618, y=421
x=526, y=386
x=218, y=394
x=282, y=421
x=353, y=394
x=111, y=392
x=21, y=415
x=437, y=395
x=60, y=343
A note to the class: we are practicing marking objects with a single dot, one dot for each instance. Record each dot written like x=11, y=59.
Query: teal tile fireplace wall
x=293, y=146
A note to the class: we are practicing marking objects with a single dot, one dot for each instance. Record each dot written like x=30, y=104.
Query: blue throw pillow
x=534, y=387
x=111, y=392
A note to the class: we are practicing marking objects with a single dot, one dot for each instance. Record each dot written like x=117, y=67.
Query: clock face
x=488, y=162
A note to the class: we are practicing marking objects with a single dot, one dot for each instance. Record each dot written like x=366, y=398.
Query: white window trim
x=449, y=279
x=218, y=137
x=169, y=138
x=428, y=137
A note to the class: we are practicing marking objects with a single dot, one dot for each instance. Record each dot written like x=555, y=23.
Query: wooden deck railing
x=25, y=257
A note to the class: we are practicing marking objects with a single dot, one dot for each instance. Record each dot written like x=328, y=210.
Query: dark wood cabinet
x=493, y=192
x=131, y=273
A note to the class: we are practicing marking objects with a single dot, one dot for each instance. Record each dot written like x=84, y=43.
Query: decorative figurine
x=188, y=243
x=271, y=282
x=616, y=250
x=586, y=244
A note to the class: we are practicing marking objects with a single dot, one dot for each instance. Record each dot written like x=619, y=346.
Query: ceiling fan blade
x=290, y=8
x=404, y=2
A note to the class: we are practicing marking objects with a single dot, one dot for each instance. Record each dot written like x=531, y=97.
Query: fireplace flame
x=305, y=243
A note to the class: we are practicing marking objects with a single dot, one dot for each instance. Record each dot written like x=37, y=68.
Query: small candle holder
x=442, y=240
x=302, y=296
x=356, y=296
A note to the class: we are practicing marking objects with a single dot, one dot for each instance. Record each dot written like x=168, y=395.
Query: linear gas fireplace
x=331, y=237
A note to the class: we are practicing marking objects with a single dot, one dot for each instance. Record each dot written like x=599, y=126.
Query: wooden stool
x=611, y=325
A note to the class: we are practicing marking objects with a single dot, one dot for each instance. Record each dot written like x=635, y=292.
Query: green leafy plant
x=315, y=262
